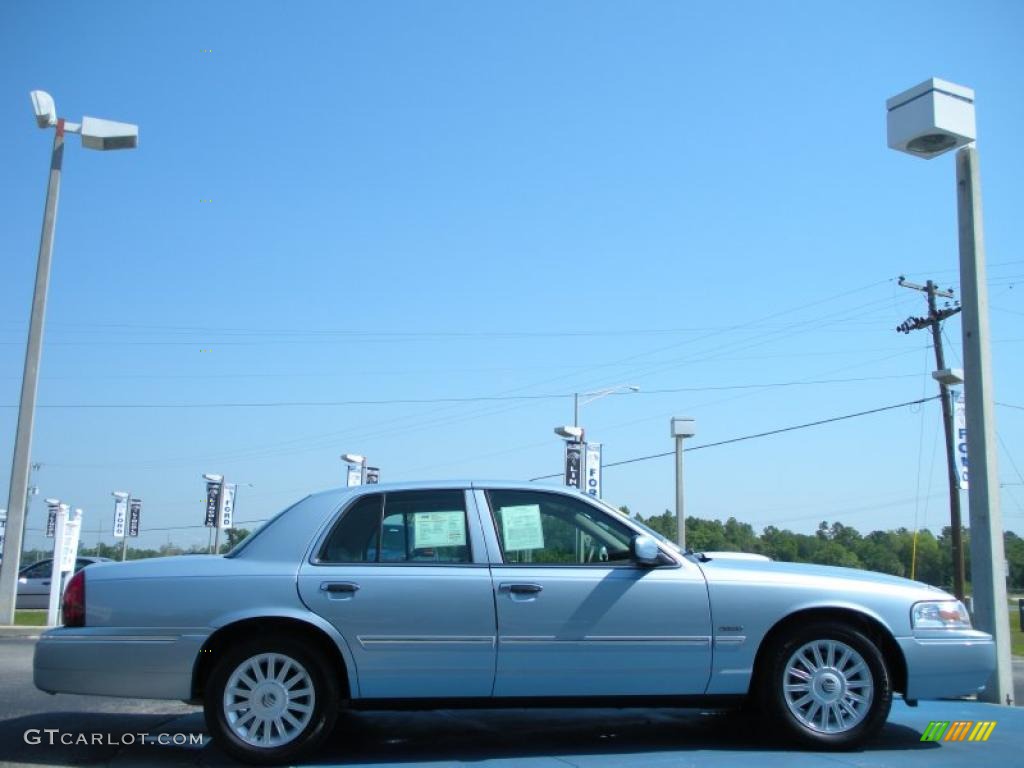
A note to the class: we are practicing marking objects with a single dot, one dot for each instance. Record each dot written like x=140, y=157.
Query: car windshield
x=645, y=527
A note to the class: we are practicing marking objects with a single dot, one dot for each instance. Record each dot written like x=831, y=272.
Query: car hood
x=726, y=570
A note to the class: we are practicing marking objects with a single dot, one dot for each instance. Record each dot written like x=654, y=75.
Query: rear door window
x=401, y=527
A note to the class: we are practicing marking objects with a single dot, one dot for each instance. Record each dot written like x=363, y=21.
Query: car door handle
x=46, y=583
x=521, y=589
x=339, y=587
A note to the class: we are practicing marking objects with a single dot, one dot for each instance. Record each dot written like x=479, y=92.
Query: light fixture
x=931, y=118
x=45, y=109
x=569, y=432
x=683, y=426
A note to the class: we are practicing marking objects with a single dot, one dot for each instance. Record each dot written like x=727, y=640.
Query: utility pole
x=934, y=322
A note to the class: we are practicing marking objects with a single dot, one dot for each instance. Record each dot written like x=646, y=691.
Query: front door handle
x=339, y=587
x=521, y=589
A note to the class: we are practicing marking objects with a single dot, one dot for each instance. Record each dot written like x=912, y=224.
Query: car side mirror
x=645, y=550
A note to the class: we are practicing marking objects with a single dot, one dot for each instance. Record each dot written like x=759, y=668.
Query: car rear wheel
x=825, y=686
x=269, y=701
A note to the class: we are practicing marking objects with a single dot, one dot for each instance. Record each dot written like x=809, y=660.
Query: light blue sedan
x=498, y=594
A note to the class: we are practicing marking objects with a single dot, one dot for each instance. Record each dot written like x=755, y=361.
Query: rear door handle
x=339, y=587
x=521, y=589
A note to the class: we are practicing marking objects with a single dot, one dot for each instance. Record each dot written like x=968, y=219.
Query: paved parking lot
x=496, y=739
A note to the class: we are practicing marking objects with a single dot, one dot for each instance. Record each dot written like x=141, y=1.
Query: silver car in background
x=34, y=581
x=499, y=594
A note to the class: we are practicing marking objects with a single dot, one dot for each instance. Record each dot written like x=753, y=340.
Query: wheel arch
x=324, y=639
x=870, y=625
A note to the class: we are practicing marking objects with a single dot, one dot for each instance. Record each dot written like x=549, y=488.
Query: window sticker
x=521, y=528
x=438, y=529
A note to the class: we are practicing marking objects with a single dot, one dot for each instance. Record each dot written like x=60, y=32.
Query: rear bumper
x=129, y=663
x=947, y=664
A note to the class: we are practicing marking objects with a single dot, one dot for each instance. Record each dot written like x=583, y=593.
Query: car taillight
x=73, y=605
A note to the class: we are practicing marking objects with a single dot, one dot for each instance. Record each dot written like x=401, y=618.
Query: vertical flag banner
x=51, y=520
x=227, y=507
x=212, y=503
x=69, y=548
x=3, y=527
x=573, y=462
x=372, y=475
x=134, y=516
x=120, y=517
x=960, y=424
x=355, y=475
x=592, y=470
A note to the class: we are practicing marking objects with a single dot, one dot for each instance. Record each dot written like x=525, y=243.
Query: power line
x=471, y=399
x=742, y=438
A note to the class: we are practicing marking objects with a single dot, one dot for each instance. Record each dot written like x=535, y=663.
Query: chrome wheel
x=268, y=700
x=828, y=686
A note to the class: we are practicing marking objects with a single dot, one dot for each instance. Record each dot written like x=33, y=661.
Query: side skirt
x=553, y=702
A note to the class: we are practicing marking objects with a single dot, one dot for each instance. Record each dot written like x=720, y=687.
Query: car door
x=34, y=585
x=404, y=578
x=576, y=615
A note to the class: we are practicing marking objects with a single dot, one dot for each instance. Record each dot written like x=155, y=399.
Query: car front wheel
x=270, y=701
x=826, y=686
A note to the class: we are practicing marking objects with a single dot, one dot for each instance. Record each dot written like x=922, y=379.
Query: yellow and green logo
x=958, y=730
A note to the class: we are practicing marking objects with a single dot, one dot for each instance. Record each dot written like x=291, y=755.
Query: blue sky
x=480, y=199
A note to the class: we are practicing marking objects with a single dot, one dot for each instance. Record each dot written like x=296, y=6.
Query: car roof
x=425, y=485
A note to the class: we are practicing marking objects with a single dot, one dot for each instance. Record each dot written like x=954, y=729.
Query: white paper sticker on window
x=520, y=527
x=438, y=529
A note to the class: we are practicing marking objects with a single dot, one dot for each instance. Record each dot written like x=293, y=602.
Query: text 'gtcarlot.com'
x=54, y=736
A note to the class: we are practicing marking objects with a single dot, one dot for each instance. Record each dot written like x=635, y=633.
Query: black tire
x=840, y=722
x=283, y=741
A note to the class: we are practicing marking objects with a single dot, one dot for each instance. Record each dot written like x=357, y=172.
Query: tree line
x=837, y=544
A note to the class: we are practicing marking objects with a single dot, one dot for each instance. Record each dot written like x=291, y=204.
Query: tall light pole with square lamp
x=96, y=134
x=926, y=121
x=682, y=428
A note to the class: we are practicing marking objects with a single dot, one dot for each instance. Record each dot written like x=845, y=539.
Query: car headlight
x=940, y=614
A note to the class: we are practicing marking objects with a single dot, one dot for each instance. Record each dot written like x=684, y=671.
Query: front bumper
x=124, y=662
x=944, y=664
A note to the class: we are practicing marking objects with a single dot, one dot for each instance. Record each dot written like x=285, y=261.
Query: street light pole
x=680, y=504
x=17, y=494
x=926, y=121
x=96, y=134
x=988, y=557
x=682, y=428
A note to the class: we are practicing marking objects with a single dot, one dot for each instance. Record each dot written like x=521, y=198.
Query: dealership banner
x=212, y=503
x=592, y=469
x=69, y=546
x=355, y=476
x=3, y=528
x=573, y=462
x=227, y=507
x=120, y=517
x=134, y=516
x=960, y=433
x=51, y=520
x=372, y=475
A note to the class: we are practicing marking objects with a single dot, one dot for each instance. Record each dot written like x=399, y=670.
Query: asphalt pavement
x=104, y=731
